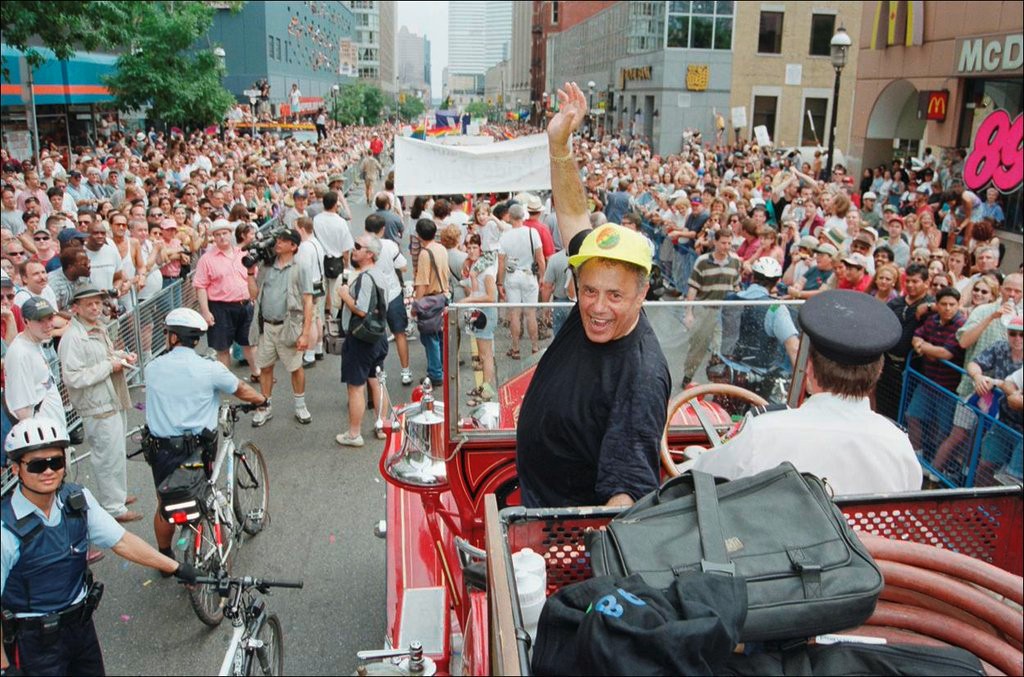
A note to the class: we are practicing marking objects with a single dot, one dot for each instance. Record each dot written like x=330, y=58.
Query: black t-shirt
x=906, y=313
x=591, y=422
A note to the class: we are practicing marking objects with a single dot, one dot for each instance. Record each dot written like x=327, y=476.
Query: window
x=764, y=113
x=815, y=109
x=277, y=41
x=823, y=26
x=270, y=46
x=554, y=12
x=700, y=24
x=769, y=36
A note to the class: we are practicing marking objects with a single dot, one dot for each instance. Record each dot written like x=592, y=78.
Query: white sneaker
x=347, y=440
x=302, y=415
x=261, y=417
x=406, y=377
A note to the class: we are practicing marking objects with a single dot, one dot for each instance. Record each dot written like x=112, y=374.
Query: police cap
x=849, y=327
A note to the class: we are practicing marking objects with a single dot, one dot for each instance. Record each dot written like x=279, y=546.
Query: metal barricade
x=959, y=443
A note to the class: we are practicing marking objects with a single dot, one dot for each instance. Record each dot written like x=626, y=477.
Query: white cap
x=220, y=224
x=767, y=266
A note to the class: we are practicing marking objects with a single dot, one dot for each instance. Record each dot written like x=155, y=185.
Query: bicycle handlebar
x=261, y=584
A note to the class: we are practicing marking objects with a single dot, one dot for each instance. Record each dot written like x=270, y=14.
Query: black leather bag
x=184, y=492
x=806, y=571
x=856, y=659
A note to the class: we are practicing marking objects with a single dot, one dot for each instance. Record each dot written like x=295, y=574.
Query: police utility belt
x=76, y=614
x=182, y=446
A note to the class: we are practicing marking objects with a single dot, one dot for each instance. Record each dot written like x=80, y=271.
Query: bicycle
x=236, y=504
x=256, y=632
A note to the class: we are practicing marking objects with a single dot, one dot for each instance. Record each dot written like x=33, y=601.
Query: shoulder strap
x=709, y=524
x=25, y=528
x=433, y=267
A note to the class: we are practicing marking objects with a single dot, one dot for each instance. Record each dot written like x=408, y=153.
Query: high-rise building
x=520, y=49
x=479, y=36
x=411, y=57
x=375, y=41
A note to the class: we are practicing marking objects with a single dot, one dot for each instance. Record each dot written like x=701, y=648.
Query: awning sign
x=997, y=154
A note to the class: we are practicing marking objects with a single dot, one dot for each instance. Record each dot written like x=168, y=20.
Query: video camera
x=261, y=250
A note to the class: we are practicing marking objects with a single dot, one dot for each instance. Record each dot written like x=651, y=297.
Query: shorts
x=930, y=404
x=487, y=333
x=162, y=462
x=359, y=360
x=398, y=318
x=521, y=287
x=231, y=322
x=319, y=307
x=272, y=349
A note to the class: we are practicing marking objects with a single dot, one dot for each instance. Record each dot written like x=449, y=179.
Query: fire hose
x=950, y=598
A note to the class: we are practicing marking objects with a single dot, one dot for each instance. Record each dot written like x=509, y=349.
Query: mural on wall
x=314, y=36
x=997, y=154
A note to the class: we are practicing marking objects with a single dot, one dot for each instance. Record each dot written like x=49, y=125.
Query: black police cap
x=849, y=327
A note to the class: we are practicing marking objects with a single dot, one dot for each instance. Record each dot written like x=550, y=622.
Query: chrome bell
x=421, y=461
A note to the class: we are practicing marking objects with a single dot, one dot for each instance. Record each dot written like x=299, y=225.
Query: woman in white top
x=480, y=278
x=520, y=250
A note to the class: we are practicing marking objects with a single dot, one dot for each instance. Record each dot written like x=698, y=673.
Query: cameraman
x=222, y=288
x=283, y=292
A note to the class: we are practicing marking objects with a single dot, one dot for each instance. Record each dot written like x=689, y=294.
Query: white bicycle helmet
x=768, y=267
x=32, y=434
x=186, y=323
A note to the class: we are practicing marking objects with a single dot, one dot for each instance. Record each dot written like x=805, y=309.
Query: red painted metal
x=475, y=642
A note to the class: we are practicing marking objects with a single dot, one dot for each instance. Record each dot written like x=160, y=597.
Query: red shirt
x=376, y=146
x=547, y=242
x=865, y=282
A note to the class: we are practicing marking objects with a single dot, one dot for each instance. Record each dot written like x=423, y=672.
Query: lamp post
x=334, y=91
x=840, y=47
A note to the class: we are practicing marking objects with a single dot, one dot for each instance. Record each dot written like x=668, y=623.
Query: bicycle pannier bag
x=806, y=572
x=183, y=494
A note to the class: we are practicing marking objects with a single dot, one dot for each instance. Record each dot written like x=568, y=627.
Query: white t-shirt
x=103, y=264
x=311, y=259
x=518, y=245
x=29, y=380
x=490, y=233
x=390, y=259
x=333, y=233
x=154, y=280
x=23, y=294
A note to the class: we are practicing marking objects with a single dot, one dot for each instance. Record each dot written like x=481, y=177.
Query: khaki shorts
x=272, y=349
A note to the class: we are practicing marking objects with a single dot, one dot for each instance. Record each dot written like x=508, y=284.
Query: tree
x=181, y=85
x=358, y=103
x=477, y=109
x=411, y=108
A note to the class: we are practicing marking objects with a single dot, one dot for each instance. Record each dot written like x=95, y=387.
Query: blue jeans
x=435, y=365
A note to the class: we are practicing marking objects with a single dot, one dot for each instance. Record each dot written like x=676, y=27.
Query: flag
x=212, y=130
x=420, y=131
x=512, y=116
x=442, y=131
x=446, y=118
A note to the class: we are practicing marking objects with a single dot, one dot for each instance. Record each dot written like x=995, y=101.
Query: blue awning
x=75, y=81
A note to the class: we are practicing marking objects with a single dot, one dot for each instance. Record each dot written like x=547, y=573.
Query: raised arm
x=569, y=199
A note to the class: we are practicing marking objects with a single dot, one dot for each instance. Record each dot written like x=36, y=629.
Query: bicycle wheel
x=201, y=553
x=252, y=488
x=269, y=659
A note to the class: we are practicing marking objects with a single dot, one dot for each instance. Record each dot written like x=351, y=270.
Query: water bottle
x=531, y=585
x=222, y=501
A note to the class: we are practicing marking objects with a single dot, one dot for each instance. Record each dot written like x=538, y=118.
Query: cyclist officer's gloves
x=186, y=573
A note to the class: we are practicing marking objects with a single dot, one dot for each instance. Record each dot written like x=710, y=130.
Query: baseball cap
x=291, y=235
x=890, y=208
x=168, y=224
x=612, y=241
x=69, y=234
x=826, y=248
x=695, y=199
x=300, y=193
x=808, y=242
x=37, y=308
x=870, y=196
x=334, y=178
x=856, y=259
x=75, y=174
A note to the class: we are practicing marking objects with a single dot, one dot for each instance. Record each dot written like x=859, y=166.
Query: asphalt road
x=324, y=502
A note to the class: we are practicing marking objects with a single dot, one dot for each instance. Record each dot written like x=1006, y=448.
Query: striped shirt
x=942, y=335
x=713, y=280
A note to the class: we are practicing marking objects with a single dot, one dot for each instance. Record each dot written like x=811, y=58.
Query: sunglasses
x=40, y=238
x=358, y=247
x=9, y=297
x=1015, y=334
x=16, y=253
x=40, y=465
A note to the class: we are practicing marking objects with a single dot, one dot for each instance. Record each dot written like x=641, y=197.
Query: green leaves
x=358, y=103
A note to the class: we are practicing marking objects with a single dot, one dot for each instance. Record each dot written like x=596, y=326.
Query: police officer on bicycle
x=49, y=594
x=765, y=331
x=183, y=392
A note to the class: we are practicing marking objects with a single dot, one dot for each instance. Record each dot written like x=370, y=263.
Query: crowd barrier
x=960, y=442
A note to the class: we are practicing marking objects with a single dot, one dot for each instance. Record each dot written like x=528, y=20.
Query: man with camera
x=332, y=231
x=283, y=292
x=49, y=594
x=222, y=288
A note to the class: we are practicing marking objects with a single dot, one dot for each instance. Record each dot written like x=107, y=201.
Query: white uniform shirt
x=835, y=438
x=333, y=233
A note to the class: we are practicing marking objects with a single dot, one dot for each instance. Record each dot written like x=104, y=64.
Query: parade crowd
x=85, y=241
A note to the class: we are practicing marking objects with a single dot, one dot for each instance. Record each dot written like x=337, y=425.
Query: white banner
x=426, y=168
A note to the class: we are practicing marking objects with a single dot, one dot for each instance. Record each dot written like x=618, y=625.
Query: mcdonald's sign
x=938, y=104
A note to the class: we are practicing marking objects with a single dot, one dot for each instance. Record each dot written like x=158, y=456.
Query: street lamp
x=840, y=47
x=334, y=91
x=590, y=87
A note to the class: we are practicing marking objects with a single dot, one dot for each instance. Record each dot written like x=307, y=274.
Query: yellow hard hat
x=612, y=241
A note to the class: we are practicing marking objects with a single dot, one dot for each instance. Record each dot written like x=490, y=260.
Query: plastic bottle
x=531, y=585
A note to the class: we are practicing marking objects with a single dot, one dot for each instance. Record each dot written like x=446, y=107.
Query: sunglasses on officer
x=38, y=466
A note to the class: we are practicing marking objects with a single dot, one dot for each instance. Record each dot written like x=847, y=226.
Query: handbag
x=806, y=572
x=429, y=310
x=372, y=327
x=334, y=337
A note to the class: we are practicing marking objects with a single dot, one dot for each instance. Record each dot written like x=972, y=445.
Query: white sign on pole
x=251, y=93
x=739, y=117
x=761, y=134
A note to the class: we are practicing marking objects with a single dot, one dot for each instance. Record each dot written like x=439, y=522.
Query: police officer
x=49, y=595
x=183, y=393
x=763, y=329
x=833, y=434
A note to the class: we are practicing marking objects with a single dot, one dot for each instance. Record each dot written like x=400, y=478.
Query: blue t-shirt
x=183, y=392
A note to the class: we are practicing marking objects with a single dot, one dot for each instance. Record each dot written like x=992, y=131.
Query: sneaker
x=308, y=362
x=347, y=440
x=319, y=356
x=261, y=417
x=302, y=415
x=379, y=433
x=407, y=377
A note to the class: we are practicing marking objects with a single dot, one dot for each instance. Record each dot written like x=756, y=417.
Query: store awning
x=75, y=81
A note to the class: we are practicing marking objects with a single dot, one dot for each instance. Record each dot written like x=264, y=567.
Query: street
x=324, y=502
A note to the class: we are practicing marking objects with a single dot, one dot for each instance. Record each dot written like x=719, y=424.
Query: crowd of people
x=105, y=234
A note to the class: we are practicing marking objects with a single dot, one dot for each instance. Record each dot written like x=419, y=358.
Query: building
x=479, y=36
x=375, y=26
x=497, y=86
x=413, y=60
x=784, y=79
x=285, y=44
x=520, y=47
x=549, y=17
x=945, y=75
x=668, y=72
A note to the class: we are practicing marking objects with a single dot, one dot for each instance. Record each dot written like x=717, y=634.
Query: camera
x=260, y=250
